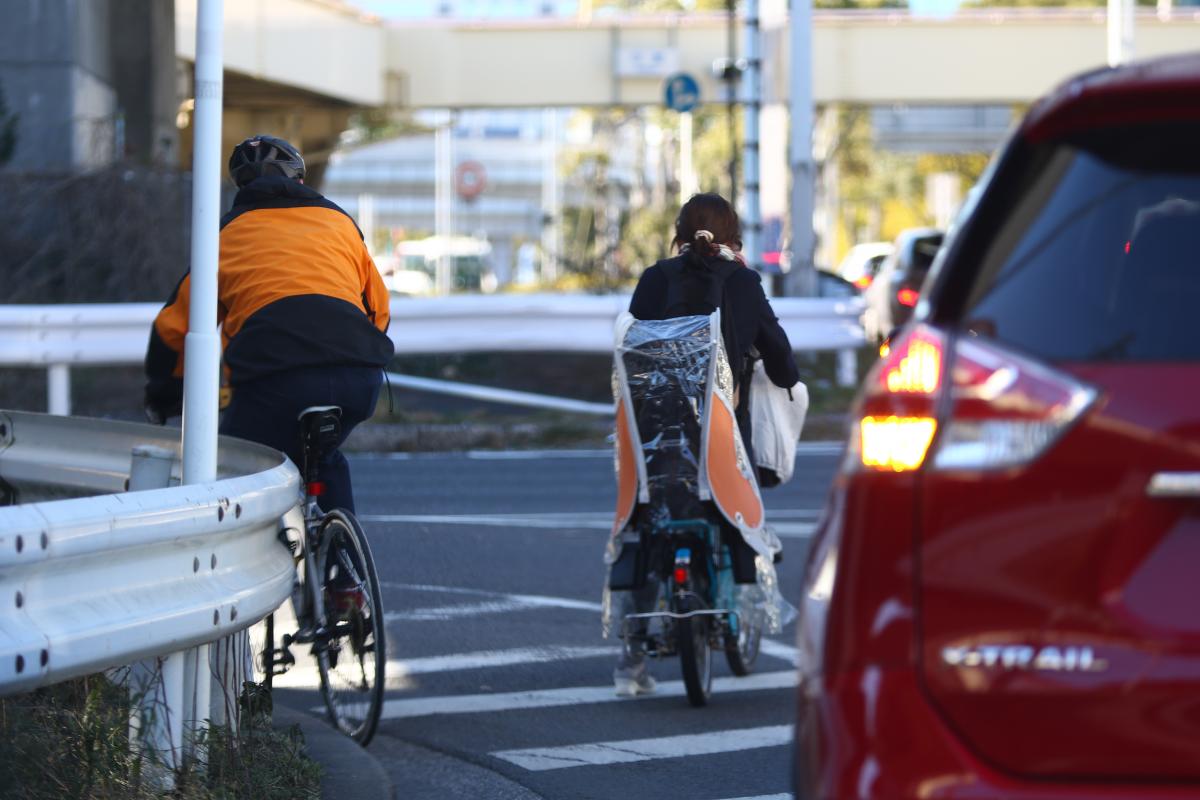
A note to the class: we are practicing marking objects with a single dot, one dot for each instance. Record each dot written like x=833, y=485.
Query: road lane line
x=528, y=600
x=788, y=653
x=501, y=658
x=582, y=695
x=444, y=613
x=538, y=759
x=787, y=523
x=784, y=796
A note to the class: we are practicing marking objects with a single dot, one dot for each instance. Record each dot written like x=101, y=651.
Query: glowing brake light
x=898, y=444
x=863, y=281
x=897, y=422
x=1006, y=409
x=918, y=371
x=1003, y=410
x=908, y=297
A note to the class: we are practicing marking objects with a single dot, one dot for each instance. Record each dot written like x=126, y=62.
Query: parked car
x=892, y=295
x=861, y=264
x=1001, y=596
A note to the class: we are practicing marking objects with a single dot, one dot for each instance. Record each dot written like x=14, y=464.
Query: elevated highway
x=300, y=68
x=306, y=53
x=871, y=57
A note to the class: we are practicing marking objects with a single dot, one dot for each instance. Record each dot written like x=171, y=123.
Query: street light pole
x=202, y=346
x=1120, y=31
x=801, y=279
x=751, y=109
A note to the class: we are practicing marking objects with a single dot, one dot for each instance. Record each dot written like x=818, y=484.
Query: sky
x=416, y=9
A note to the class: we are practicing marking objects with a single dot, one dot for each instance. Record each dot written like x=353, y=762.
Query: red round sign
x=470, y=179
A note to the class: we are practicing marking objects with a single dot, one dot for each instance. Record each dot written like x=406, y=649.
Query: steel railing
x=94, y=577
x=61, y=336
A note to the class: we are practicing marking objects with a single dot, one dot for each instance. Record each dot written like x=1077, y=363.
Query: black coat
x=746, y=316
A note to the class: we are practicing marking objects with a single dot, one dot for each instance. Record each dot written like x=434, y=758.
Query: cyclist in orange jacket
x=302, y=308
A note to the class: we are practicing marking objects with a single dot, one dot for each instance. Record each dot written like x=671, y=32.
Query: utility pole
x=801, y=278
x=1120, y=31
x=731, y=75
x=751, y=109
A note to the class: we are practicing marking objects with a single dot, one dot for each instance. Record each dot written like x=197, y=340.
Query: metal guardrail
x=59, y=336
x=93, y=577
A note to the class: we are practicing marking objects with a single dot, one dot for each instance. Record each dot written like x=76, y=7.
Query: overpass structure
x=302, y=67
x=322, y=52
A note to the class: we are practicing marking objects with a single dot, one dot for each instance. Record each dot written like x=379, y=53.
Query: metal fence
x=95, y=577
x=61, y=336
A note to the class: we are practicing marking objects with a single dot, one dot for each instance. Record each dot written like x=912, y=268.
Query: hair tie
x=705, y=235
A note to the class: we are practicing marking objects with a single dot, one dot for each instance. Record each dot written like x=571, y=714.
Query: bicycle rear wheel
x=353, y=657
x=695, y=655
x=741, y=648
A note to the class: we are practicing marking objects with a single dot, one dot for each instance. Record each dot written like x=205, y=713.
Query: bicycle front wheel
x=352, y=659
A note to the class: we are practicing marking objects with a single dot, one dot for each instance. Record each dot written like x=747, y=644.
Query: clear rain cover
x=666, y=366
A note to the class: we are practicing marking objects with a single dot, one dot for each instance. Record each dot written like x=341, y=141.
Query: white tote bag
x=776, y=421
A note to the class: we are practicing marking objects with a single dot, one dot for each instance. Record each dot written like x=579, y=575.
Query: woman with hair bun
x=708, y=273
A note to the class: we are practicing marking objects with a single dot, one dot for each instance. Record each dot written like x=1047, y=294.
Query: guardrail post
x=157, y=685
x=58, y=390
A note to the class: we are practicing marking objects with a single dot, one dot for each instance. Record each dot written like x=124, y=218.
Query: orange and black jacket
x=296, y=288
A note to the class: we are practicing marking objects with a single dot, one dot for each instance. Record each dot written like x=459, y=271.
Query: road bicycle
x=336, y=598
x=697, y=607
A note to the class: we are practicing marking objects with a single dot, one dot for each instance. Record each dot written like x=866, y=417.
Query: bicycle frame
x=679, y=585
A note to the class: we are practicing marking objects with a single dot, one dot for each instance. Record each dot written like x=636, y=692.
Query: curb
x=348, y=771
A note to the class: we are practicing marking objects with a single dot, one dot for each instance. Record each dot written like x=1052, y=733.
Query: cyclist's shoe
x=344, y=602
x=634, y=680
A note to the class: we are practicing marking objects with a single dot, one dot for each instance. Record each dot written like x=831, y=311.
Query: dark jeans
x=266, y=411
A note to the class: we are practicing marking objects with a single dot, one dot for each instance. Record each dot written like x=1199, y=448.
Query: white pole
x=551, y=248
x=58, y=389
x=751, y=108
x=202, y=347
x=687, y=170
x=443, y=221
x=366, y=220
x=1120, y=31
x=801, y=279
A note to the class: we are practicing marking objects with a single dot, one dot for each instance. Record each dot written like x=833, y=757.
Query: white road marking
x=535, y=455
x=803, y=449
x=444, y=613
x=784, y=796
x=501, y=658
x=527, y=600
x=794, y=523
x=502, y=605
x=769, y=647
x=548, y=698
x=538, y=759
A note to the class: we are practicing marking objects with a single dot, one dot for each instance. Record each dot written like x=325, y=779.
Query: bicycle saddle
x=321, y=426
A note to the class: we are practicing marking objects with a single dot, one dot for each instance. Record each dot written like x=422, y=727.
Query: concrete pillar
x=142, y=35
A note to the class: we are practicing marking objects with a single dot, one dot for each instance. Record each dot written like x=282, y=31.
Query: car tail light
x=863, y=282
x=896, y=422
x=908, y=297
x=1005, y=409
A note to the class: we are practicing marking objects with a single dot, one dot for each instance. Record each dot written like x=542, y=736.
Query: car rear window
x=1097, y=256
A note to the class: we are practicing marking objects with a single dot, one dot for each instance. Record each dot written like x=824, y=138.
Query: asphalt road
x=492, y=572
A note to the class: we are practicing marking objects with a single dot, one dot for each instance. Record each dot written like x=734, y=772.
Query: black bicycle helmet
x=265, y=155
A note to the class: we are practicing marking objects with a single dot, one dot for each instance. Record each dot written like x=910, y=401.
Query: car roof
x=1158, y=90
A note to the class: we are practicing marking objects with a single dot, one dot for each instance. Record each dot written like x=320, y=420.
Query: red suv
x=1003, y=596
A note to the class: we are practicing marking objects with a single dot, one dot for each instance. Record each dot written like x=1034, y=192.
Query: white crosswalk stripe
x=549, y=698
x=537, y=759
x=788, y=523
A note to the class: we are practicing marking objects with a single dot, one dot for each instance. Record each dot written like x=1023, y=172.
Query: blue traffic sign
x=681, y=92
